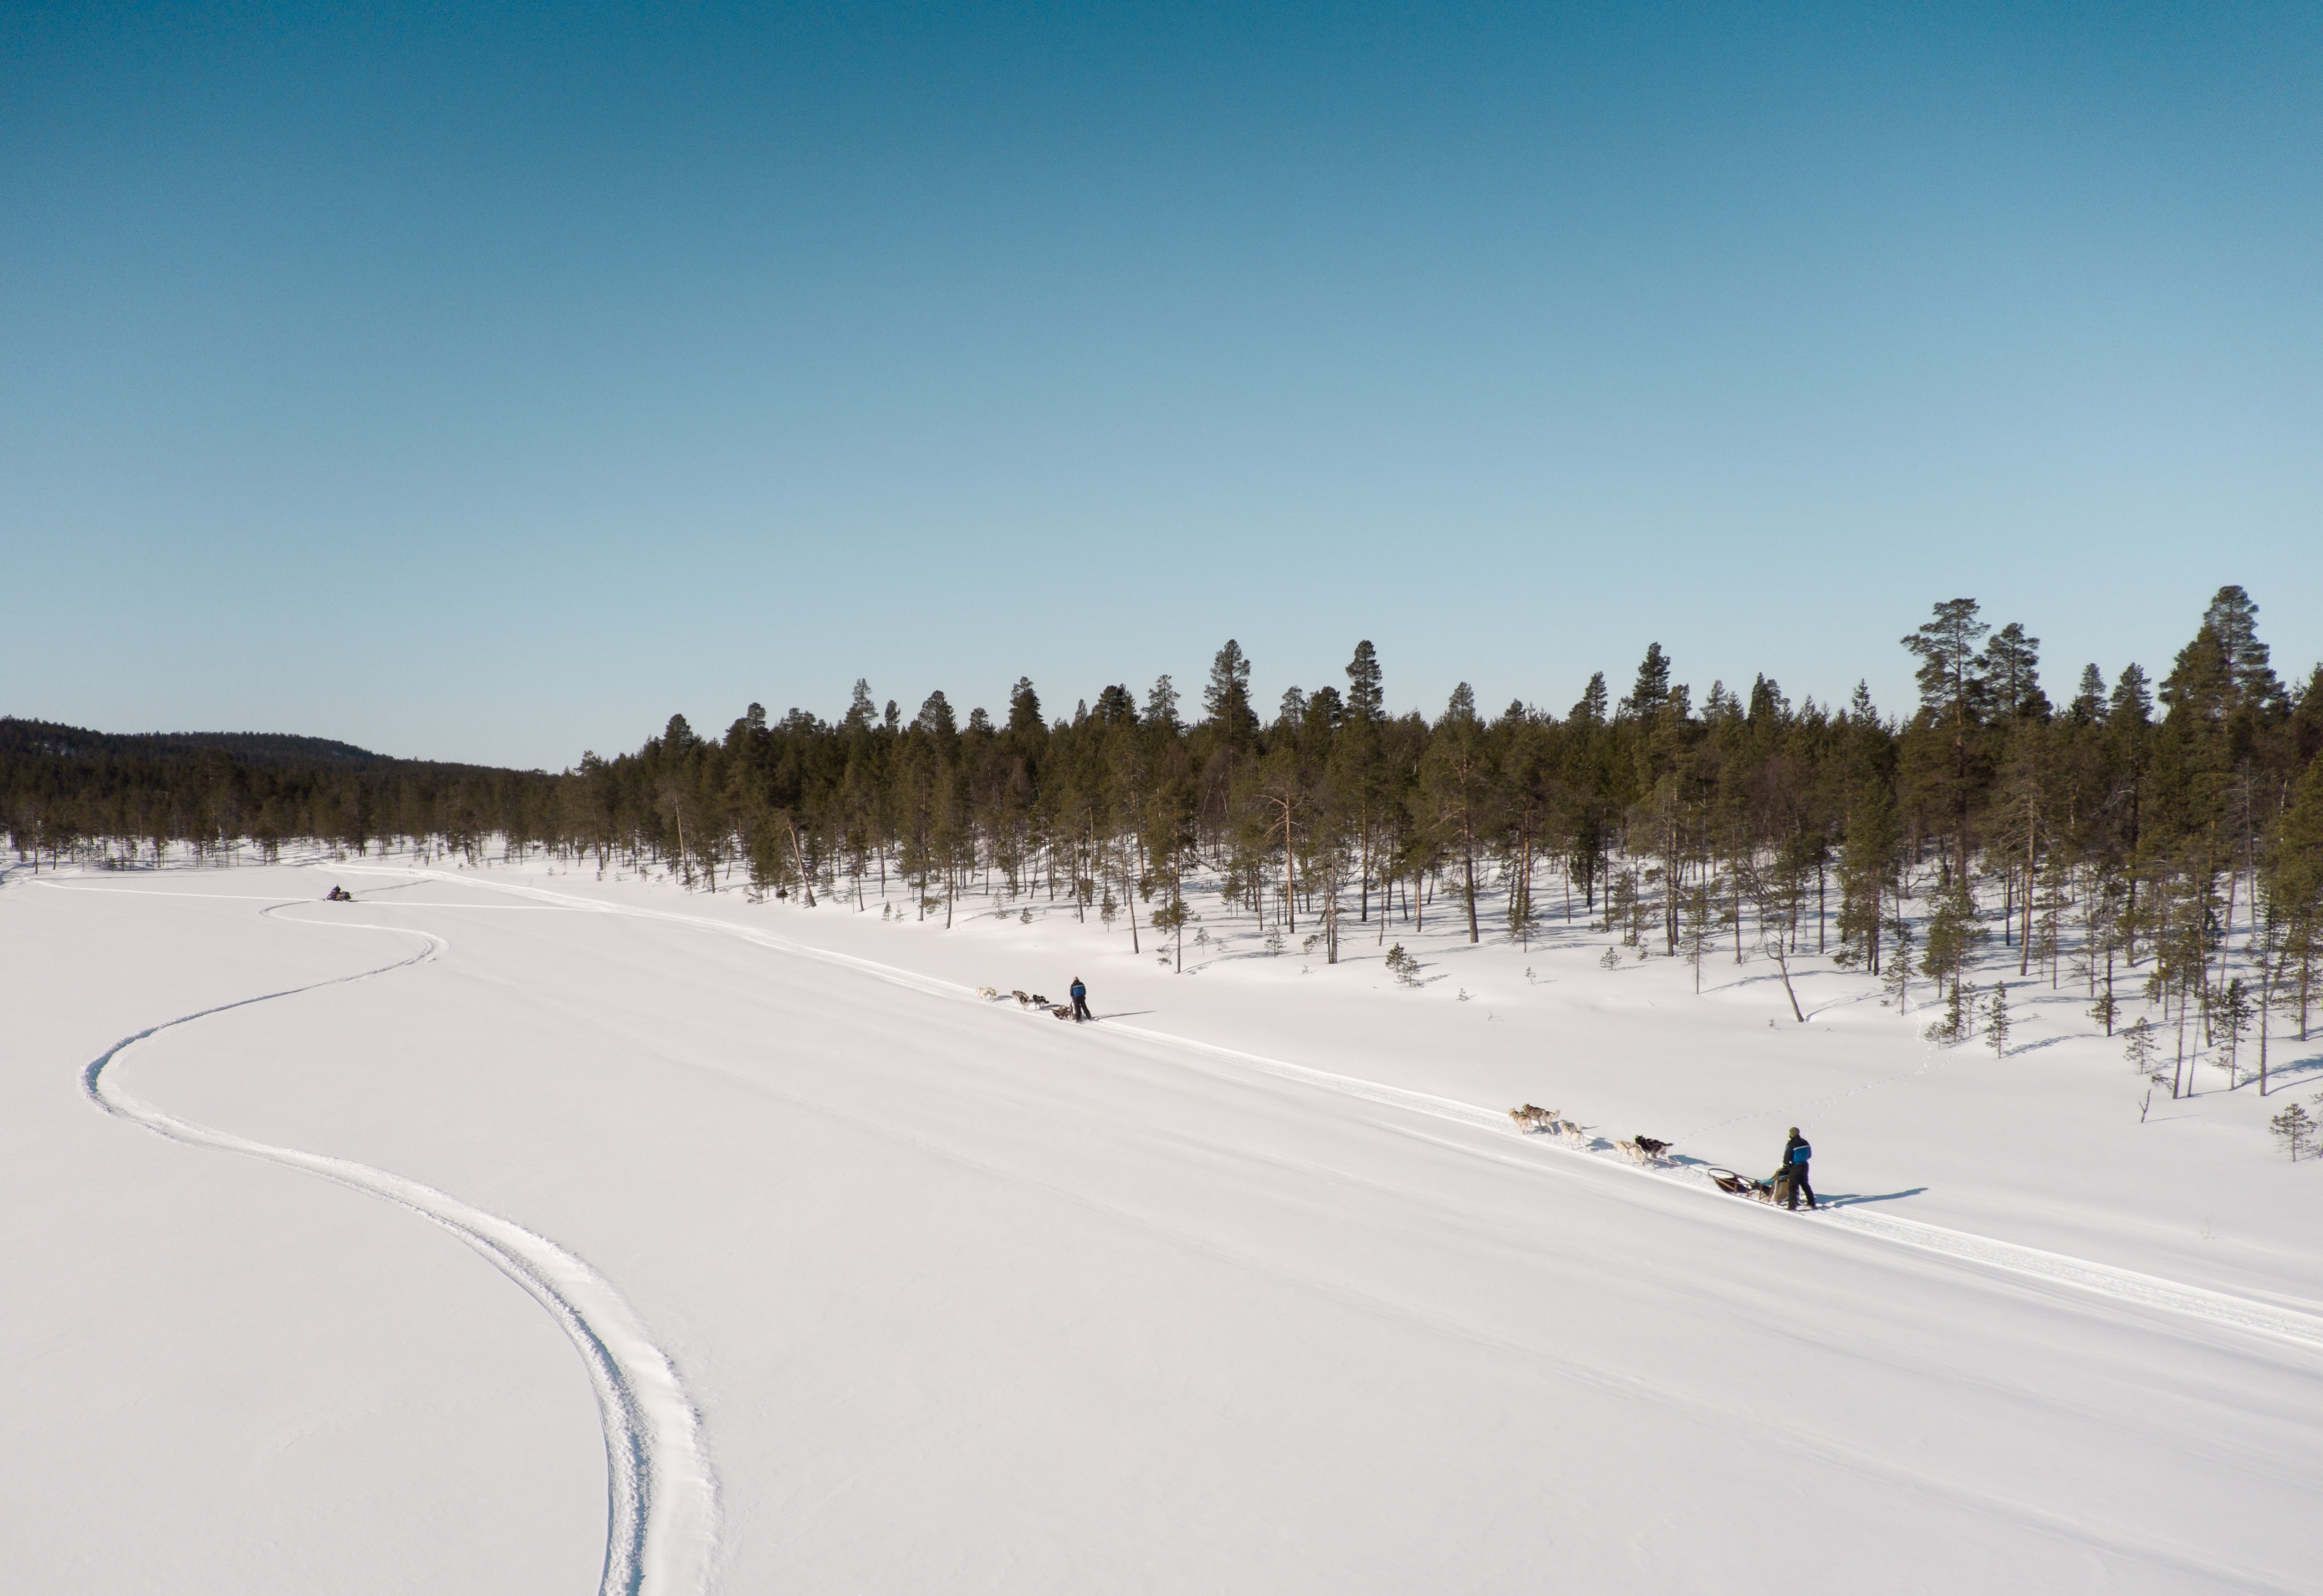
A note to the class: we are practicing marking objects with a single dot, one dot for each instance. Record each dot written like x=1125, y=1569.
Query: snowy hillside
x=866, y=1281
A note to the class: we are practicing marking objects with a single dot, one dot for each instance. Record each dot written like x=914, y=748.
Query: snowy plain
x=1251, y=1286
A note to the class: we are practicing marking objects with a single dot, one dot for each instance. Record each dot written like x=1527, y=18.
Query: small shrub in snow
x=1613, y=959
x=1406, y=967
x=2143, y=1052
x=2106, y=1011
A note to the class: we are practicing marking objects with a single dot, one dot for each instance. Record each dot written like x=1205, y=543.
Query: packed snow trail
x=2129, y=1286
x=662, y=1498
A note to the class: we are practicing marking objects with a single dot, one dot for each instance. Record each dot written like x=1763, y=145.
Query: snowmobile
x=339, y=894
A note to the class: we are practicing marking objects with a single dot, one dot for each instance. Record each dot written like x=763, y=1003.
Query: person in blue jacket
x=1792, y=1175
x=1081, y=1002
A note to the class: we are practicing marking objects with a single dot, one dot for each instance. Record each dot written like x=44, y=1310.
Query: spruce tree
x=2089, y=705
x=1025, y=709
x=1591, y=708
x=1161, y=706
x=1225, y=701
x=1896, y=976
x=2231, y=619
x=1366, y=697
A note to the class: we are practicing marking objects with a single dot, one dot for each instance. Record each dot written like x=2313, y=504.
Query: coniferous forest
x=2118, y=835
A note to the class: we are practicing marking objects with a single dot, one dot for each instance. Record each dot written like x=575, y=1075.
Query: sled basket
x=1727, y=1180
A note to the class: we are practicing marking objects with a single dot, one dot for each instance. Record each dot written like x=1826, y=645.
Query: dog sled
x=1762, y=1191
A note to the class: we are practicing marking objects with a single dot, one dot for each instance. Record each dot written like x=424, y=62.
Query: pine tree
x=2010, y=669
x=1701, y=933
x=2295, y=1129
x=2143, y=1052
x=1952, y=699
x=1995, y=1023
x=1652, y=689
x=2232, y=1015
x=2294, y=880
x=1457, y=787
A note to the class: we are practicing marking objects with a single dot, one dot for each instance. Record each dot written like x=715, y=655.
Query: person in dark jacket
x=1793, y=1175
x=1081, y=1002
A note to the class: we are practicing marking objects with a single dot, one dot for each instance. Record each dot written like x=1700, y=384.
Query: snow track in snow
x=662, y=1508
x=2219, y=1308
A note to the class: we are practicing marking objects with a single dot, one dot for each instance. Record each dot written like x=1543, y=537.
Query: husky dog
x=1040, y=1002
x=1529, y=1118
x=1023, y=999
x=1643, y=1150
x=1571, y=1131
x=988, y=993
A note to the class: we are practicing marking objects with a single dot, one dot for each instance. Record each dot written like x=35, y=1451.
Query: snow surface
x=735, y=1245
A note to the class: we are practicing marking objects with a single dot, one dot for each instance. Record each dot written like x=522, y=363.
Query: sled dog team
x=1786, y=1187
x=1077, y=1010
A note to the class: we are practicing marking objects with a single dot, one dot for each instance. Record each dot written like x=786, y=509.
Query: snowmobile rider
x=1081, y=1002
x=1793, y=1175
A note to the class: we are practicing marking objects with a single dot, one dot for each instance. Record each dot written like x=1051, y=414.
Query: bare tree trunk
x=2024, y=935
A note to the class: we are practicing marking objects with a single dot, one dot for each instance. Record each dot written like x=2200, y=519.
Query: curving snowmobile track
x=662, y=1500
x=2129, y=1287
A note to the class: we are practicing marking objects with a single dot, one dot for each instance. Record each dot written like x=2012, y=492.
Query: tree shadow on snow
x=2299, y=1066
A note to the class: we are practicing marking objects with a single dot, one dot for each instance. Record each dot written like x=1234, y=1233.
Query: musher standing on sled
x=1793, y=1175
x=1081, y=1002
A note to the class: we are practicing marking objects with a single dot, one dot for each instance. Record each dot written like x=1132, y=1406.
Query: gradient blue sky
x=489, y=384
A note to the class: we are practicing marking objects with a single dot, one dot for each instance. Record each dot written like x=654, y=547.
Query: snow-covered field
x=863, y=1283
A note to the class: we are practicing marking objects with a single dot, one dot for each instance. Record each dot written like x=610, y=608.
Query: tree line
x=2128, y=837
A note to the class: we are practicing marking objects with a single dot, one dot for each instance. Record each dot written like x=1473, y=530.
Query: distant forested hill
x=249, y=747
x=65, y=788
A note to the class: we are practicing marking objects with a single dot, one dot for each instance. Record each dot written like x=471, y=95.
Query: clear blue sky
x=488, y=385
